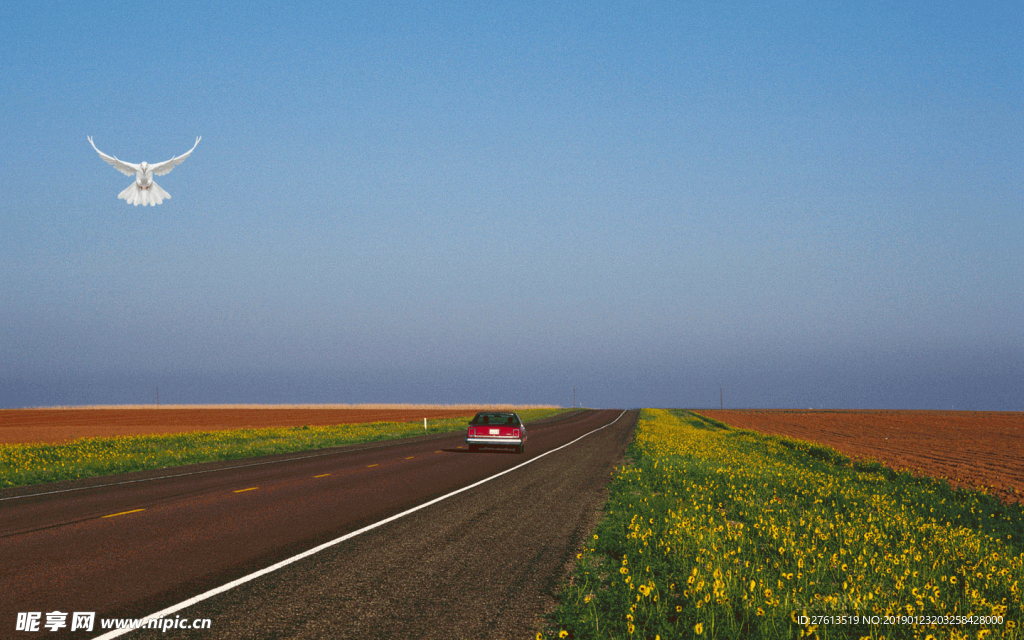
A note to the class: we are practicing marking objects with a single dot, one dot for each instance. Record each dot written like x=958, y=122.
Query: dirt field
x=62, y=425
x=969, y=448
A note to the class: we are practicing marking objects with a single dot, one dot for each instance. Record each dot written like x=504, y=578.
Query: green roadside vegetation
x=25, y=464
x=716, y=532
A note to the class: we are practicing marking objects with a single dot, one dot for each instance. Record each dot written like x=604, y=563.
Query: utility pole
x=158, y=397
x=574, y=397
x=721, y=398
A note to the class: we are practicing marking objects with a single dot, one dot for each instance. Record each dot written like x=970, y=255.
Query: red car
x=496, y=429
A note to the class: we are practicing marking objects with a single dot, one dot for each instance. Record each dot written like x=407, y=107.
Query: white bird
x=144, y=191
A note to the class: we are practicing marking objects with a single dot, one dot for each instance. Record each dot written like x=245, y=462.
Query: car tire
x=473, y=448
x=521, y=449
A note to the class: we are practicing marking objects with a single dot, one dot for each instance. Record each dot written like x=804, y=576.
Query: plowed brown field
x=968, y=448
x=62, y=425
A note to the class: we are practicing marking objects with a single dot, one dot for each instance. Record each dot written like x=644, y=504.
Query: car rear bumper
x=495, y=441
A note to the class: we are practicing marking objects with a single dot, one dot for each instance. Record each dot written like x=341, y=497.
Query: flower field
x=24, y=464
x=715, y=532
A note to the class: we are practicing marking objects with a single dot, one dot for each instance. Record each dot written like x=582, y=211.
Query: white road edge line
x=305, y=554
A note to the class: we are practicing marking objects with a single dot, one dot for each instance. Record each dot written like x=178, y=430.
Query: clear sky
x=811, y=204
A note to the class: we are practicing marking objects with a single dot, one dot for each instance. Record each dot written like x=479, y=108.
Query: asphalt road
x=480, y=564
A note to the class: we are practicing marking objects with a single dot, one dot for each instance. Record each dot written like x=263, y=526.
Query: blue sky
x=804, y=204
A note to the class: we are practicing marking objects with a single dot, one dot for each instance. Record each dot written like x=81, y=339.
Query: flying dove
x=144, y=191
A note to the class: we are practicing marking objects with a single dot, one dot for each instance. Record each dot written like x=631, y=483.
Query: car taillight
x=515, y=433
x=472, y=432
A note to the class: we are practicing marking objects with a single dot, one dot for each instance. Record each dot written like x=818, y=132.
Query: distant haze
x=818, y=205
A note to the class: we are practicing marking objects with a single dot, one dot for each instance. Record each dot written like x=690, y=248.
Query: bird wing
x=164, y=168
x=127, y=168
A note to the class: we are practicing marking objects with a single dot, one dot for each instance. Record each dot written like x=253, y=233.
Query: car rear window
x=495, y=418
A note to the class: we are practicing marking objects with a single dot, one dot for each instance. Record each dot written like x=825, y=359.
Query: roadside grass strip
x=715, y=532
x=27, y=464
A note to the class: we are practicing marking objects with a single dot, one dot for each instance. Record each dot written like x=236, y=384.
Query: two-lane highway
x=129, y=550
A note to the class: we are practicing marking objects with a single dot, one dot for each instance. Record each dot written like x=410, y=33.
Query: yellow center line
x=322, y=475
x=249, y=489
x=123, y=513
x=370, y=465
x=439, y=451
x=410, y=457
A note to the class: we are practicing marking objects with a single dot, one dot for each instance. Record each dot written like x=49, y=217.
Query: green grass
x=26, y=464
x=715, y=532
